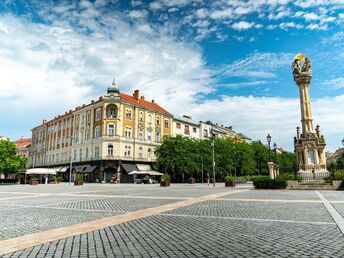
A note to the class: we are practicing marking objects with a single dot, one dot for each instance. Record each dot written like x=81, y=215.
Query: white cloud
x=286, y=25
x=222, y=14
x=317, y=27
x=47, y=69
x=242, y=25
x=138, y=14
x=311, y=16
x=258, y=116
x=337, y=83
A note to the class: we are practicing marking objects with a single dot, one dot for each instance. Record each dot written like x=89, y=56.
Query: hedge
x=264, y=182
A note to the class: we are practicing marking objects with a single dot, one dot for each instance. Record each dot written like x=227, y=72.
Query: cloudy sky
x=227, y=61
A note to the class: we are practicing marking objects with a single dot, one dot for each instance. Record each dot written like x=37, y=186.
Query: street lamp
x=213, y=152
x=275, y=150
x=268, y=138
x=71, y=159
x=343, y=141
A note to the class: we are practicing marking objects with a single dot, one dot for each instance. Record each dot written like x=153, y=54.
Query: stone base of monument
x=314, y=185
x=311, y=175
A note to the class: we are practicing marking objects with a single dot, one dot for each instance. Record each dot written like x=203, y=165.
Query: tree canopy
x=10, y=163
x=184, y=157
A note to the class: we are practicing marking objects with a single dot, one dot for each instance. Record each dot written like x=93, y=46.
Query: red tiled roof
x=22, y=142
x=142, y=103
x=339, y=152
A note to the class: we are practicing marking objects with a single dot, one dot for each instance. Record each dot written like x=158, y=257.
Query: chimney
x=153, y=101
x=136, y=94
x=143, y=97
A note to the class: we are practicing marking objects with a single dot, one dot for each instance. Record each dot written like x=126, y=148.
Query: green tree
x=10, y=163
x=261, y=157
x=176, y=156
x=340, y=162
x=287, y=162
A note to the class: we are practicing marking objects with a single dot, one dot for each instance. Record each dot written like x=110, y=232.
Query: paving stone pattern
x=111, y=204
x=273, y=194
x=275, y=211
x=161, y=236
x=213, y=228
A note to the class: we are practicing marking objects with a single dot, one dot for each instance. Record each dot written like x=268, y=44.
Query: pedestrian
x=208, y=178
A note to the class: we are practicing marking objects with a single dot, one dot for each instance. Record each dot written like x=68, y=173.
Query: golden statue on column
x=309, y=144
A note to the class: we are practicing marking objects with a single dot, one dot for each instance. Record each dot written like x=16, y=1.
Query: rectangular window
x=74, y=158
x=98, y=114
x=166, y=124
x=128, y=132
x=149, y=136
x=111, y=130
x=157, y=136
x=97, y=132
x=141, y=135
x=194, y=129
x=128, y=114
x=178, y=126
x=96, y=151
x=186, y=129
x=205, y=133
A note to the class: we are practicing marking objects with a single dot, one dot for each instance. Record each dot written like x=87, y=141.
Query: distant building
x=23, y=146
x=184, y=126
x=331, y=158
x=3, y=138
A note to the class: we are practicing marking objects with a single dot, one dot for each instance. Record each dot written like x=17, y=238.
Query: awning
x=143, y=167
x=128, y=167
x=40, y=171
x=79, y=169
x=154, y=173
x=64, y=169
x=89, y=169
x=151, y=173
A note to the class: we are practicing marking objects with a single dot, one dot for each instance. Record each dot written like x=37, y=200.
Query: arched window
x=158, y=120
x=110, y=150
x=141, y=116
x=111, y=130
x=111, y=111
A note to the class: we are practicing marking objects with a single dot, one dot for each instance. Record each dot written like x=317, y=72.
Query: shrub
x=165, y=177
x=230, y=178
x=79, y=178
x=264, y=182
x=338, y=175
x=8, y=181
x=33, y=178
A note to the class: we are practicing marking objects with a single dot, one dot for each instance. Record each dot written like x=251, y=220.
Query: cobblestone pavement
x=211, y=228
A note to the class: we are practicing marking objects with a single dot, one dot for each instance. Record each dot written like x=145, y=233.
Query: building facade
x=106, y=137
x=185, y=127
x=23, y=146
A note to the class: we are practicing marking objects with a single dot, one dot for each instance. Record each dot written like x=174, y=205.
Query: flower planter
x=229, y=184
x=165, y=183
x=78, y=182
x=33, y=182
x=191, y=181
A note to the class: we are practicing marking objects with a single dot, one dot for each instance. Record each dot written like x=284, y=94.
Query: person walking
x=208, y=178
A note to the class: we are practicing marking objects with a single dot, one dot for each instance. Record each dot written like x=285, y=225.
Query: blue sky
x=226, y=61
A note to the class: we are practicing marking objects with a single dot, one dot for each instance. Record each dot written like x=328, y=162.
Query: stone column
x=271, y=170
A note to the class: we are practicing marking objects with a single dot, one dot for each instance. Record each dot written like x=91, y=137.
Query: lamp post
x=213, y=154
x=268, y=138
x=275, y=150
x=343, y=141
x=71, y=159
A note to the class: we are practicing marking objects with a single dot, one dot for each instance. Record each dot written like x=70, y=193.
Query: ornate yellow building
x=106, y=136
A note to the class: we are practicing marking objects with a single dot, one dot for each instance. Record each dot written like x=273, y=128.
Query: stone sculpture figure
x=307, y=66
x=296, y=67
